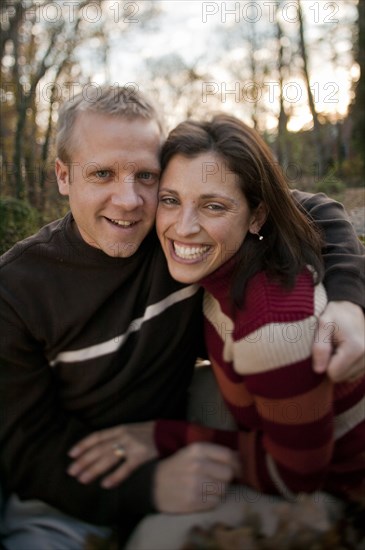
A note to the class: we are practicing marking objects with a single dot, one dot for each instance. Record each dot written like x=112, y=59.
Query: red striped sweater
x=297, y=432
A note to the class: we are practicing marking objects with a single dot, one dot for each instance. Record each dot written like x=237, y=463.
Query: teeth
x=190, y=252
x=122, y=223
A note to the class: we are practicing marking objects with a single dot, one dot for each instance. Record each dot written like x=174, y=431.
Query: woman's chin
x=185, y=275
x=185, y=279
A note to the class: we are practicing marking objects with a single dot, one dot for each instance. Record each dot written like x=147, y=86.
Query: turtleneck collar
x=95, y=255
x=220, y=280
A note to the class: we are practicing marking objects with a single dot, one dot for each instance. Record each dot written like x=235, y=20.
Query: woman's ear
x=258, y=218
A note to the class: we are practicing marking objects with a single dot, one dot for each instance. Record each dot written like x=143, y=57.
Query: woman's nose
x=187, y=222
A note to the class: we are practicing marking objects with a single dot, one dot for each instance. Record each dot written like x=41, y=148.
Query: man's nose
x=125, y=193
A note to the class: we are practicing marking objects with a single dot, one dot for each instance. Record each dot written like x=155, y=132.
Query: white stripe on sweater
x=271, y=346
x=110, y=346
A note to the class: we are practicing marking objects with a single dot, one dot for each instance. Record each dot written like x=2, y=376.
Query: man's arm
x=179, y=480
x=36, y=432
x=339, y=346
x=343, y=253
x=343, y=325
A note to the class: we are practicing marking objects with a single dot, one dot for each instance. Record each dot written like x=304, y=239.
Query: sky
x=195, y=30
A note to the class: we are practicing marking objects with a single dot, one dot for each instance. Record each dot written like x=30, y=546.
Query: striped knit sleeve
x=292, y=448
x=172, y=435
x=284, y=408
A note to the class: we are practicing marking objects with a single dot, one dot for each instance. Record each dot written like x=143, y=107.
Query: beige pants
x=170, y=532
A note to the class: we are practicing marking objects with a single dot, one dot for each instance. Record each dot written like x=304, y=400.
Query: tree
x=178, y=86
x=43, y=62
x=32, y=49
x=358, y=107
x=316, y=124
x=282, y=139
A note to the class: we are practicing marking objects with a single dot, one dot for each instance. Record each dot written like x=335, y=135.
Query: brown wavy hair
x=291, y=240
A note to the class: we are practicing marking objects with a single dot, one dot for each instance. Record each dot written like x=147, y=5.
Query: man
x=95, y=333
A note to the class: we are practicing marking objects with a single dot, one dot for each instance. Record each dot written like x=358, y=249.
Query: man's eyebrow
x=149, y=168
x=142, y=166
x=95, y=166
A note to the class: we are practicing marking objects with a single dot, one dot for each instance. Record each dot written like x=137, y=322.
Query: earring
x=261, y=238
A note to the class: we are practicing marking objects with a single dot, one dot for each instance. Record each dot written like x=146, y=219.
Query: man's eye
x=103, y=174
x=145, y=175
x=148, y=177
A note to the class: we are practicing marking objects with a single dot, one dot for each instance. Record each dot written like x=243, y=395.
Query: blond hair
x=124, y=101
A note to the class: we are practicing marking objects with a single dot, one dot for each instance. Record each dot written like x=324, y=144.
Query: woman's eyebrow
x=218, y=196
x=166, y=189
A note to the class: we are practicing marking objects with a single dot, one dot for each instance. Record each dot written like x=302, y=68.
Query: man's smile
x=121, y=223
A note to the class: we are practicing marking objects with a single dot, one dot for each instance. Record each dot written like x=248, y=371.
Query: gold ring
x=119, y=450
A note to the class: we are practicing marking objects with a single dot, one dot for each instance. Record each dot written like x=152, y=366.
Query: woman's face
x=202, y=217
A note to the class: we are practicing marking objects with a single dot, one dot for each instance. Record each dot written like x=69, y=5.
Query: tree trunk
x=21, y=113
x=316, y=125
x=358, y=109
x=282, y=141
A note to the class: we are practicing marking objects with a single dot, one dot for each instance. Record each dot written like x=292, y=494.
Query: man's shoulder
x=310, y=201
x=41, y=244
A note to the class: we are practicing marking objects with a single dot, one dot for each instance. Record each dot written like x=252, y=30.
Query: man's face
x=112, y=180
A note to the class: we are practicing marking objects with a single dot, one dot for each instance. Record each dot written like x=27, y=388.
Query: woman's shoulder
x=276, y=326
x=267, y=301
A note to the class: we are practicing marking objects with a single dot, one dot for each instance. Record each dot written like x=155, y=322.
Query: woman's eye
x=167, y=200
x=215, y=207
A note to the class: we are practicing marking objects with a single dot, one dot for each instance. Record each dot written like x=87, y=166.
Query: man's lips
x=121, y=223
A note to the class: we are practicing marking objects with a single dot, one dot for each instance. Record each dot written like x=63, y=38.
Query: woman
x=227, y=221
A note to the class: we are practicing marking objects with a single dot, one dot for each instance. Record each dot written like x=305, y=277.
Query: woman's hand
x=339, y=347
x=121, y=448
x=195, y=478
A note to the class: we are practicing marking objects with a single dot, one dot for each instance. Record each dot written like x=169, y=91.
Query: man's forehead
x=92, y=130
x=90, y=117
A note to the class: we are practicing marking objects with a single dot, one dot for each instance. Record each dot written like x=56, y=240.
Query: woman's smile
x=203, y=216
x=189, y=252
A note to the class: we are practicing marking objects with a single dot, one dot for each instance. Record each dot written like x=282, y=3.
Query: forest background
x=295, y=70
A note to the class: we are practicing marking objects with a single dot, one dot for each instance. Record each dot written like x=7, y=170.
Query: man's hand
x=97, y=454
x=195, y=478
x=339, y=347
